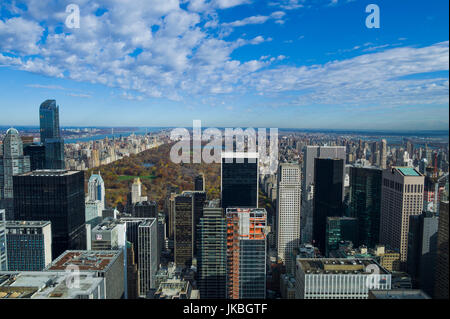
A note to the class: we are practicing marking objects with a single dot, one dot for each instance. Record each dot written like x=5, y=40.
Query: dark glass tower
x=239, y=180
x=212, y=254
x=56, y=196
x=328, y=181
x=50, y=135
x=199, y=183
x=340, y=229
x=365, y=203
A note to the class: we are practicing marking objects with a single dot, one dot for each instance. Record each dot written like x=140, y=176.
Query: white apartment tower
x=288, y=211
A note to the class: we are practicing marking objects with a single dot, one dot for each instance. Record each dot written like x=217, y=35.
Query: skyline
x=240, y=63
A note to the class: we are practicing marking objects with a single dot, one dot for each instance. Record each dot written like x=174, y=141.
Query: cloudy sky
x=274, y=63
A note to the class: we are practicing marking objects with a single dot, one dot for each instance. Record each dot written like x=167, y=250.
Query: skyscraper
x=441, y=282
x=365, y=203
x=96, y=189
x=401, y=197
x=288, y=212
x=246, y=253
x=212, y=254
x=142, y=233
x=422, y=246
x=12, y=162
x=56, y=196
x=239, y=180
x=199, y=183
x=3, y=249
x=50, y=135
x=29, y=245
x=383, y=154
x=328, y=188
x=310, y=153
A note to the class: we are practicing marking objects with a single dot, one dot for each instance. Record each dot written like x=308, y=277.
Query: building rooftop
x=107, y=224
x=85, y=260
x=399, y=294
x=26, y=223
x=408, y=171
x=339, y=266
x=46, y=285
x=49, y=172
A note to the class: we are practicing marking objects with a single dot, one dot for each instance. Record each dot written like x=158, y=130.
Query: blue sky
x=286, y=63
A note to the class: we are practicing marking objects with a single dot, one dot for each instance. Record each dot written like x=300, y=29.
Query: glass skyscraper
x=56, y=196
x=239, y=180
x=365, y=203
x=328, y=188
x=50, y=135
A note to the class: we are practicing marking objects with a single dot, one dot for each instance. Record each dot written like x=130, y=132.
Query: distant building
x=145, y=209
x=29, y=245
x=107, y=264
x=246, y=253
x=401, y=197
x=56, y=196
x=36, y=153
x=96, y=189
x=239, y=180
x=330, y=278
x=108, y=235
x=51, y=135
x=199, y=183
x=136, y=192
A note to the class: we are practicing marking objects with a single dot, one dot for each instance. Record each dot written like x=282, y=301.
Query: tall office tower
x=12, y=162
x=246, y=253
x=37, y=156
x=374, y=154
x=328, y=188
x=288, y=212
x=171, y=209
x=96, y=189
x=51, y=136
x=56, y=196
x=239, y=180
x=148, y=260
x=422, y=246
x=339, y=278
x=142, y=233
x=340, y=229
x=188, y=211
x=199, y=183
x=183, y=230
x=3, y=250
x=133, y=282
x=310, y=153
x=401, y=197
x=136, y=192
x=365, y=204
x=29, y=245
x=212, y=254
x=441, y=277
x=383, y=154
